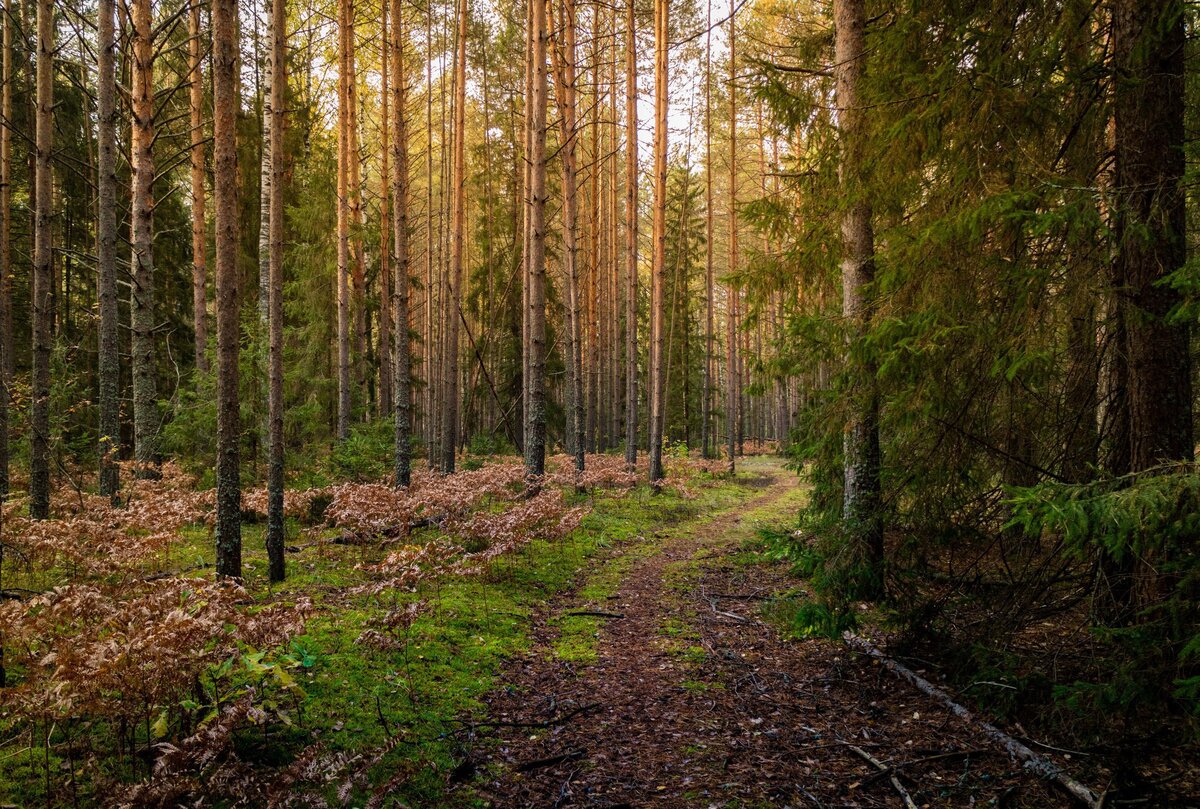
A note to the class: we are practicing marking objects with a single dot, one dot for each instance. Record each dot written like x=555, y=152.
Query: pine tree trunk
x=141, y=301
x=535, y=439
x=631, y=236
x=658, y=301
x=225, y=191
x=109, y=356
x=564, y=63
x=278, y=72
x=6, y=313
x=732, y=377
x=343, y=227
x=861, y=505
x=199, y=226
x=401, y=281
x=458, y=236
x=1148, y=52
x=1148, y=104
x=385, y=224
x=706, y=441
x=39, y=461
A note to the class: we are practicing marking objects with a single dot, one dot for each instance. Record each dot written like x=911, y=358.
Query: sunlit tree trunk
x=861, y=508
x=535, y=314
x=39, y=461
x=275, y=533
x=199, y=225
x=343, y=224
x=401, y=280
x=631, y=235
x=458, y=237
x=564, y=62
x=658, y=301
x=732, y=376
x=141, y=301
x=386, y=311
x=109, y=356
x=225, y=191
x=706, y=441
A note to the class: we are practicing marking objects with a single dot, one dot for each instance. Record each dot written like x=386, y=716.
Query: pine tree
x=39, y=460
x=225, y=102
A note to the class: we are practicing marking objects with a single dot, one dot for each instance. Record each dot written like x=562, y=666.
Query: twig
x=883, y=768
x=549, y=723
x=595, y=614
x=550, y=761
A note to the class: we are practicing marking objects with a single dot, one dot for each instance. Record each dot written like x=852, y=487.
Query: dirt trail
x=694, y=700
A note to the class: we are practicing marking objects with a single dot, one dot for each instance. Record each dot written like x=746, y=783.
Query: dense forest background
x=939, y=255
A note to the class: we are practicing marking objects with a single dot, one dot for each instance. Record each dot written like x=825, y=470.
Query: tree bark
x=278, y=70
x=109, y=356
x=564, y=63
x=706, y=448
x=535, y=438
x=861, y=504
x=141, y=301
x=658, y=301
x=1148, y=53
x=458, y=236
x=39, y=462
x=225, y=104
x=199, y=225
x=386, y=384
x=343, y=228
x=732, y=376
x=631, y=236
x=401, y=281
x=6, y=342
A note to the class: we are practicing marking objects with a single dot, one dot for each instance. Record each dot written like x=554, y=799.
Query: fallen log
x=1030, y=760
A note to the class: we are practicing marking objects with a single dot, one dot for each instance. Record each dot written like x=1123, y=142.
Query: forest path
x=686, y=696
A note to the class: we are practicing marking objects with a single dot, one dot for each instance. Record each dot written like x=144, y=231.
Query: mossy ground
x=359, y=699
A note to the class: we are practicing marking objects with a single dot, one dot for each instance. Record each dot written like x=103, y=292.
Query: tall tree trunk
x=39, y=462
x=265, y=173
x=458, y=236
x=141, y=301
x=401, y=282
x=535, y=313
x=343, y=226
x=1148, y=53
x=358, y=276
x=861, y=506
x=225, y=191
x=6, y=343
x=199, y=226
x=385, y=224
x=109, y=359
x=631, y=236
x=1148, y=105
x=658, y=301
x=278, y=72
x=564, y=63
x=706, y=448
x=732, y=376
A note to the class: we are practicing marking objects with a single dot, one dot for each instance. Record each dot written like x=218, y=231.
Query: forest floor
x=678, y=689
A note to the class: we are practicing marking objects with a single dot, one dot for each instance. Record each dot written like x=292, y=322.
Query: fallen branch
x=594, y=614
x=550, y=761
x=1031, y=761
x=883, y=768
x=549, y=723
